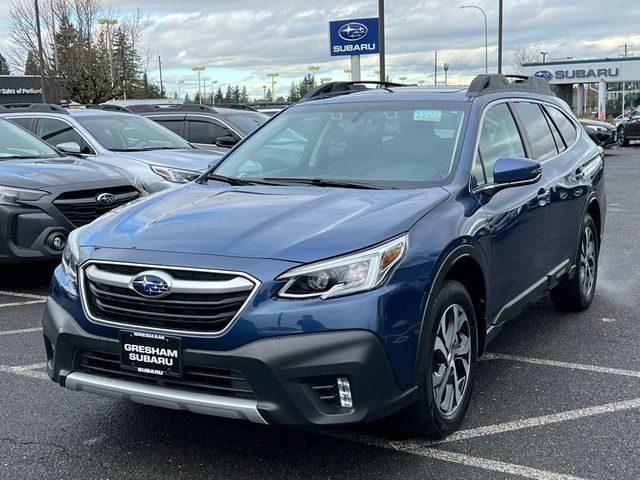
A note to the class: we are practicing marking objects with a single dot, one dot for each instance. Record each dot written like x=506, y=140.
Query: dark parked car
x=349, y=260
x=602, y=133
x=216, y=128
x=44, y=195
x=629, y=128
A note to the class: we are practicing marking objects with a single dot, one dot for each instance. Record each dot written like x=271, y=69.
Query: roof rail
x=236, y=106
x=170, y=107
x=34, y=107
x=333, y=89
x=496, y=82
x=109, y=107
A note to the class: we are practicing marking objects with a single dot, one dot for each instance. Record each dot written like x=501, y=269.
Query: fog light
x=344, y=391
x=57, y=241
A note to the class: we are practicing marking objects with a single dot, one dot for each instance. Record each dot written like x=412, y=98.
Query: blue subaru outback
x=349, y=260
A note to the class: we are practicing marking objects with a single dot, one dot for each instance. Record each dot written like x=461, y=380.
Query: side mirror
x=513, y=171
x=226, y=141
x=69, y=147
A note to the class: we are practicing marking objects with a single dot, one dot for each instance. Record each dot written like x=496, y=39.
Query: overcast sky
x=239, y=41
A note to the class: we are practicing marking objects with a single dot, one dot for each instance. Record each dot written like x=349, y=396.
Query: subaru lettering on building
x=591, y=73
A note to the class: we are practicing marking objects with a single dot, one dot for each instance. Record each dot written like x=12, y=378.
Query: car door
x=175, y=123
x=516, y=218
x=55, y=131
x=207, y=132
x=632, y=126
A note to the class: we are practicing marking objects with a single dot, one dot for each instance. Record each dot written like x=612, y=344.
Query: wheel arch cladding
x=594, y=210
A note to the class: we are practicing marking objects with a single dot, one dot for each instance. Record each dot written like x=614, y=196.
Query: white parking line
x=21, y=294
x=23, y=330
x=554, y=363
x=32, y=371
x=20, y=304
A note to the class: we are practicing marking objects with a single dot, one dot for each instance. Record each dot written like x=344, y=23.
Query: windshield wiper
x=162, y=148
x=326, y=182
x=239, y=181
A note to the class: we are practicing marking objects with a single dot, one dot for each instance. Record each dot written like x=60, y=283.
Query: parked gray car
x=45, y=195
x=157, y=156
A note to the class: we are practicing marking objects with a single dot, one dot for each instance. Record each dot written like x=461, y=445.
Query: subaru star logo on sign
x=106, y=198
x=354, y=37
x=151, y=284
x=353, y=31
x=546, y=74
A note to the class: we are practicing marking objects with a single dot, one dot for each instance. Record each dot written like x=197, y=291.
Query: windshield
x=387, y=144
x=15, y=142
x=125, y=133
x=247, y=122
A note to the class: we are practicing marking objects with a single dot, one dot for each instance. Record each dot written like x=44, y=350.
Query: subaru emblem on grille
x=151, y=284
x=106, y=198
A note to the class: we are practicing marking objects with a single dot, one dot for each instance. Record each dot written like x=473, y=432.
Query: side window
x=499, y=137
x=55, y=132
x=566, y=127
x=204, y=132
x=174, y=125
x=24, y=122
x=555, y=132
x=541, y=141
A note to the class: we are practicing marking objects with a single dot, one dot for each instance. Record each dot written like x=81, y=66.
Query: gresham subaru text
x=348, y=260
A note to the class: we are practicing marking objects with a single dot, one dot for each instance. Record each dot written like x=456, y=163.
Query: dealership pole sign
x=354, y=38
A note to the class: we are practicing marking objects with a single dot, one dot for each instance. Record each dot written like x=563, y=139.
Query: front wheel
x=577, y=294
x=446, y=365
x=623, y=141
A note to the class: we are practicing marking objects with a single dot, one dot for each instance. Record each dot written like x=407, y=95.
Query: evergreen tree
x=4, y=66
x=196, y=99
x=32, y=66
x=244, y=95
x=219, y=96
x=307, y=84
x=294, y=94
x=187, y=99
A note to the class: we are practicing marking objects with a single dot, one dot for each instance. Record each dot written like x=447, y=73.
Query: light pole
x=273, y=76
x=445, y=67
x=544, y=56
x=500, y=17
x=40, y=54
x=348, y=72
x=486, y=36
x=213, y=94
x=109, y=22
x=381, y=42
x=179, y=82
x=435, y=69
x=264, y=92
x=199, y=69
x=162, y=95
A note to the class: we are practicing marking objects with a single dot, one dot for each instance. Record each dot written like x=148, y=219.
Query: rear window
x=566, y=127
x=541, y=141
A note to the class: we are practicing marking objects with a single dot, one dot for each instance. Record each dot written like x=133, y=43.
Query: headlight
x=594, y=128
x=71, y=254
x=175, y=175
x=14, y=196
x=344, y=275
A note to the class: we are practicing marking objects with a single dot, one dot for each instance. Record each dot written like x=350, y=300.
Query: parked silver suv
x=158, y=157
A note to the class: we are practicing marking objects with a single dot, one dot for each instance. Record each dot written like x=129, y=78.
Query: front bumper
x=284, y=374
x=26, y=234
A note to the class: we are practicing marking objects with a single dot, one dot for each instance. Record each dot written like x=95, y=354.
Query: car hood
x=597, y=123
x=52, y=172
x=196, y=159
x=294, y=223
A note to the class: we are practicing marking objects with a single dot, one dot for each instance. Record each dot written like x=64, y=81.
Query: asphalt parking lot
x=557, y=397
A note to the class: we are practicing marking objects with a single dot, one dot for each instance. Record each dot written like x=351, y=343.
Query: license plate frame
x=150, y=353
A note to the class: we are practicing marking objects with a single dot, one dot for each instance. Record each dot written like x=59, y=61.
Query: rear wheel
x=623, y=141
x=577, y=294
x=447, y=365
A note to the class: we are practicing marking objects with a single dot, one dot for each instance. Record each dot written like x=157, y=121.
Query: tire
x=623, y=141
x=439, y=410
x=576, y=294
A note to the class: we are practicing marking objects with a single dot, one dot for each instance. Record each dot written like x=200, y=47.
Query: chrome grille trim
x=238, y=286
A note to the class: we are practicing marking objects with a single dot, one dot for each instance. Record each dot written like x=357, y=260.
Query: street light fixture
x=445, y=67
x=486, y=37
x=273, y=76
x=199, y=69
x=109, y=22
x=348, y=72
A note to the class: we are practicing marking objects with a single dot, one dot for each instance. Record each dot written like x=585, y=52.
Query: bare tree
x=524, y=55
x=91, y=60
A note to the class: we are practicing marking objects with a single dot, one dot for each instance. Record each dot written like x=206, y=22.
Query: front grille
x=204, y=302
x=82, y=207
x=195, y=378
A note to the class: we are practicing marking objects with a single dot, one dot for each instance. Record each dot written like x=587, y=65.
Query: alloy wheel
x=587, y=261
x=451, y=360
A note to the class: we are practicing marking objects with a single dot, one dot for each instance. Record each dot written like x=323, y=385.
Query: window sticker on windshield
x=427, y=115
